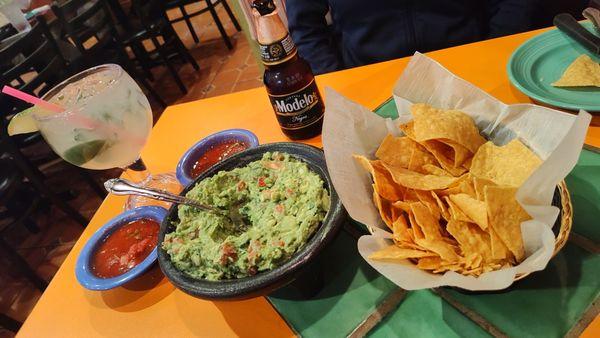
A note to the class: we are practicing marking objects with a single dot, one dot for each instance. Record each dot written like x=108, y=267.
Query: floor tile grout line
x=585, y=320
x=472, y=315
x=236, y=81
x=584, y=242
x=385, y=307
x=221, y=65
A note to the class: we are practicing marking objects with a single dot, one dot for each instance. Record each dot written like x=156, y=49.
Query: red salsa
x=215, y=154
x=125, y=248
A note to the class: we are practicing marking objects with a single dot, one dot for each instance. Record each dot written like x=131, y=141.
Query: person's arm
x=306, y=21
x=510, y=16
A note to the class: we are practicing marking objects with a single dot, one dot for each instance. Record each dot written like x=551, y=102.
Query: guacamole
x=282, y=202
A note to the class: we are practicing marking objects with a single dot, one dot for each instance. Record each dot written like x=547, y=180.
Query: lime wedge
x=22, y=123
x=84, y=152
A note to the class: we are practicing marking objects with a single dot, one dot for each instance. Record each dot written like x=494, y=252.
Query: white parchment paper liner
x=555, y=136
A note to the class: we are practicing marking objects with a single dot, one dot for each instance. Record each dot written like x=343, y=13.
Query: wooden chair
x=210, y=7
x=153, y=25
x=9, y=323
x=89, y=25
x=17, y=209
x=33, y=64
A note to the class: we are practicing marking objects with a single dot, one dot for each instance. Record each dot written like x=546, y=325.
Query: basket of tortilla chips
x=458, y=189
x=448, y=195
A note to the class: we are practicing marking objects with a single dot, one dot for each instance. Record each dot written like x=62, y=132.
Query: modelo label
x=300, y=109
x=277, y=51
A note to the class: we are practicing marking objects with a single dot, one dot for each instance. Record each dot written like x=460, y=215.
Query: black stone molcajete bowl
x=267, y=281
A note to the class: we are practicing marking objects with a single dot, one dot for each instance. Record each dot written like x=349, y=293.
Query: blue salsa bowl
x=186, y=163
x=83, y=269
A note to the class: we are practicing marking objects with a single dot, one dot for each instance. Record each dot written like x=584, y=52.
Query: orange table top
x=151, y=306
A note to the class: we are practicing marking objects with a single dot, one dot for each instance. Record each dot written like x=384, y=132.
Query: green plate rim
x=535, y=96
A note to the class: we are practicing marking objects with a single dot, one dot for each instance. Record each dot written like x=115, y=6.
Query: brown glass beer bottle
x=288, y=78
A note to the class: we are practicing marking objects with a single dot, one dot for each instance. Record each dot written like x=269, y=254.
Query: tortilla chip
x=479, y=184
x=430, y=263
x=440, y=152
x=396, y=151
x=410, y=245
x=402, y=205
x=583, y=72
x=416, y=228
x=466, y=187
x=450, y=191
x=431, y=204
x=435, y=170
x=437, y=149
x=400, y=230
x=408, y=129
x=459, y=153
x=419, y=158
x=384, y=207
x=492, y=266
x=505, y=215
x=443, y=209
x=467, y=163
x=460, y=186
x=405, y=153
x=431, y=123
x=473, y=272
x=384, y=184
x=414, y=180
x=410, y=196
x=499, y=250
x=472, y=239
x=394, y=253
x=472, y=208
x=423, y=217
x=449, y=267
x=431, y=231
x=472, y=261
x=439, y=247
x=395, y=213
x=509, y=165
x=455, y=212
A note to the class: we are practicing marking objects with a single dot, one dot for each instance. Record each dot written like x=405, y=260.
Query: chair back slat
x=88, y=24
x=149, y=11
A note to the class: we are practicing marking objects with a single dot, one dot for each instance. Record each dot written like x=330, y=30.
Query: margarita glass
x=105, y=122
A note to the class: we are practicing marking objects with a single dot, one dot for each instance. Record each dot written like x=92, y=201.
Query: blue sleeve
x=510, y=16
x=312, y=36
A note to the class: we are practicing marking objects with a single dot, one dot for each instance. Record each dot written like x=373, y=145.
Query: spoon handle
x=119, y=186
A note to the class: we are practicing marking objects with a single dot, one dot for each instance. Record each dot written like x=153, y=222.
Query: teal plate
x=542, y=60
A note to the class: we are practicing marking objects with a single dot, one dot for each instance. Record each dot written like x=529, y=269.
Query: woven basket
x=566, y=221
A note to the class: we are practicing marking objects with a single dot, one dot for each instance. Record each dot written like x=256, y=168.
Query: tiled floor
x=221, y=71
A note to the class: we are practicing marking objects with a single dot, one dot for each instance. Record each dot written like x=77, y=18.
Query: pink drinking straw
x=82, y=120
x=32, y=99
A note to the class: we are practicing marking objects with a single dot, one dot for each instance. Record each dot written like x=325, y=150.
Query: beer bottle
x=288, y=78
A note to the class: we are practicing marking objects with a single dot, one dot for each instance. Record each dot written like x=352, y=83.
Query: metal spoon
x=119, y=186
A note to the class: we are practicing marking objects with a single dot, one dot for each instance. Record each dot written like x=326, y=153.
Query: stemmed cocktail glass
x=101, y=119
